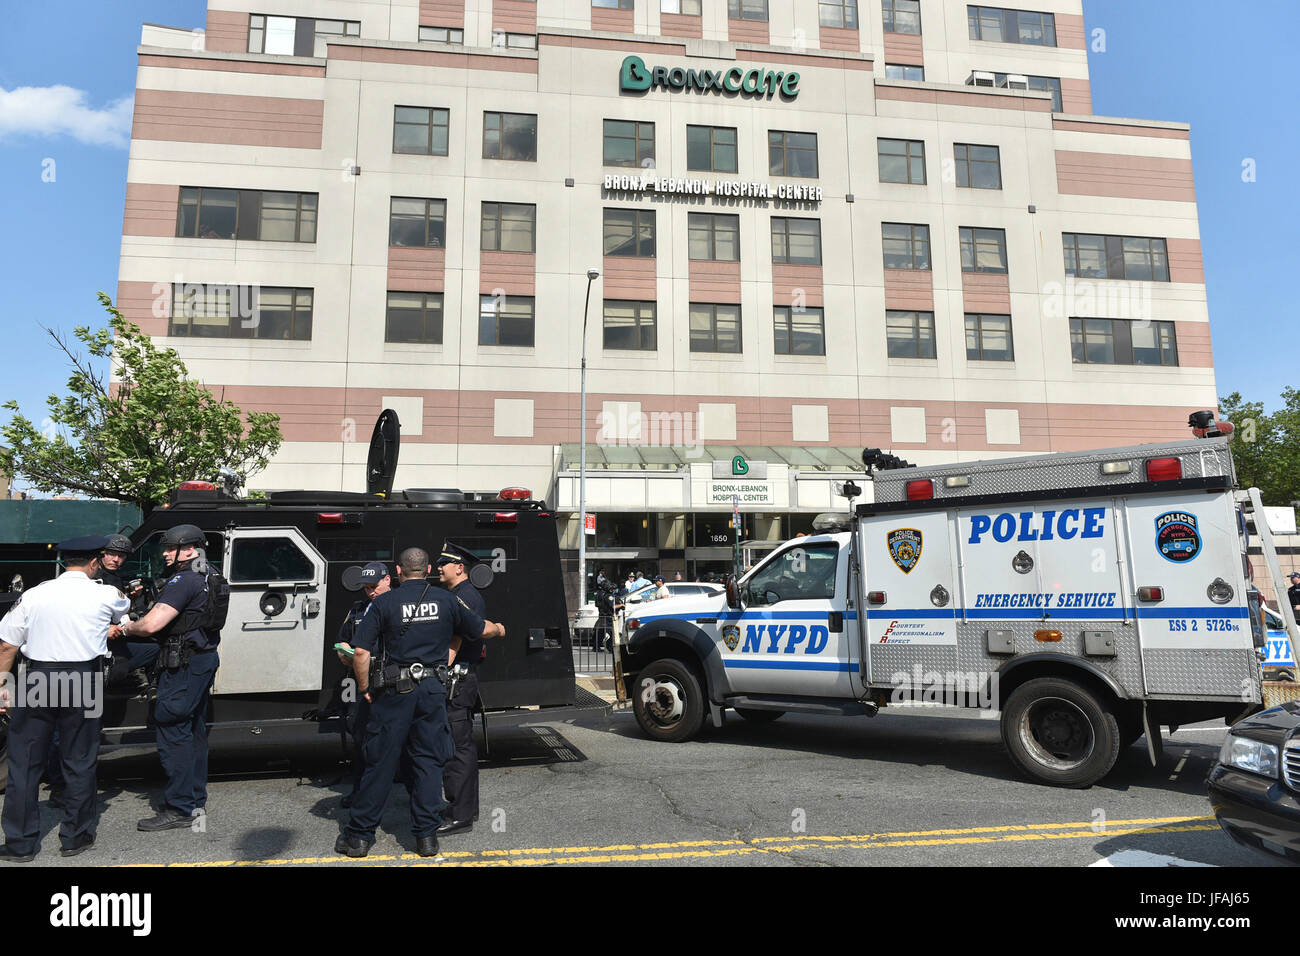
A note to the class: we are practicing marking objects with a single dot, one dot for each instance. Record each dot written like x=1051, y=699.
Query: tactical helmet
x=119, y=542
x=182, y=535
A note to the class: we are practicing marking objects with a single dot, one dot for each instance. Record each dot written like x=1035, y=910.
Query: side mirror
x=733, y=592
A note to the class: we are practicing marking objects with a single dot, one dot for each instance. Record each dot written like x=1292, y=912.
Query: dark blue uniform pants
x=31, y=734
x=415, y=723
x=181, y=716
x=462, y=769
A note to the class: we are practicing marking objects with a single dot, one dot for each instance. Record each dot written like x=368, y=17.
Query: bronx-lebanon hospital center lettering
x=636, y=77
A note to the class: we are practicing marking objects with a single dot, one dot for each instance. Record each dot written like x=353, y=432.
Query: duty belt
x=420, y=671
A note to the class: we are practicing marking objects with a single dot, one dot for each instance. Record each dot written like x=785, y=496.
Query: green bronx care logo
x=636, y=77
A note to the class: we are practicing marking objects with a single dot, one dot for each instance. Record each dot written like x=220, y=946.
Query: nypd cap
x=374, y=572
x=86, y=544
x=455, y=554
x=119, y=542
x=181, y=535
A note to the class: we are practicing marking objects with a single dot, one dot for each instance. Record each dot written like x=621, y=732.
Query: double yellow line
x=707, y=849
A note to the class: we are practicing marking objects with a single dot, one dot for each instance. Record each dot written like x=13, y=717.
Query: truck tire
x=755, y=716
x=668, y=701
x=1059, y=732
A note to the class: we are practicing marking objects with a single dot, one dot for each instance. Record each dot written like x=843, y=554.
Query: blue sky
x=1226, y=73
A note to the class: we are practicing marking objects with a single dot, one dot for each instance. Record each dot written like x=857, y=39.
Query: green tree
x=133, y=438
x=1266, y=446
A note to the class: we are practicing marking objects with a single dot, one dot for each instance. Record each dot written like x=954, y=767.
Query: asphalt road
x=924, y=788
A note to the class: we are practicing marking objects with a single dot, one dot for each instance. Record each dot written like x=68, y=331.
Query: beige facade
x=211, y=115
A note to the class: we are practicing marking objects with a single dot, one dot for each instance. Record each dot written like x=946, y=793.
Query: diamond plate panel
x=888, y=660
x=1200, y=672
x=1201, y=458
x=1125, y=668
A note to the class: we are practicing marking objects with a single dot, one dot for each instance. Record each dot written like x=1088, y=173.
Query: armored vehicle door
x=276, y=626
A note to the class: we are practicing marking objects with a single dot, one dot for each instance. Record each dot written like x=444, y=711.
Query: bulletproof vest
x=212, y=616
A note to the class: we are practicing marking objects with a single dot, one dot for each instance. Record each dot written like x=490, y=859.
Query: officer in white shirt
x=61, y=627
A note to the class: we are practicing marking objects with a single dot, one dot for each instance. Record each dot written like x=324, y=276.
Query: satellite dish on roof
x=381, y=464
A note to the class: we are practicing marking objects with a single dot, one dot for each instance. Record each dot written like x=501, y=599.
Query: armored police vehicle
x=1089, y=597
x=293, y=562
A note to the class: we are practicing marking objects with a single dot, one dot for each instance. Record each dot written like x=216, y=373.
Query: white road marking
x=1143, y=858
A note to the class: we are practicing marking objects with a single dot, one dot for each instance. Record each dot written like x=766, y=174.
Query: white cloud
x=62, y=111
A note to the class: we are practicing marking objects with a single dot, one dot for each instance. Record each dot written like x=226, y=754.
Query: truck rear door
x=275, y=628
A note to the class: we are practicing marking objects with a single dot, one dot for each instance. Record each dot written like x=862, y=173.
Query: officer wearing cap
x=461, y=777
x=375, y=581
x=1293, y=592
x=409, y=631
x=128, y=656
x=180, y=712
x=62, y=627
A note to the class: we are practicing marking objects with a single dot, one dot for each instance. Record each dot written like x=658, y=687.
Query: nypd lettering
x=428, y=611
x=784, y=638
x=1177, y=537
x=904, y=547
x=1047, y=600
x=1038, y=525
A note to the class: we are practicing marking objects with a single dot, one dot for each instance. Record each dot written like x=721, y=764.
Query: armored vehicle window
x=796, y=574
x=268, y=559
x=356, y=549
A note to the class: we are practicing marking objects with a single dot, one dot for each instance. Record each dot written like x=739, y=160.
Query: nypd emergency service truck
x=1089, y=597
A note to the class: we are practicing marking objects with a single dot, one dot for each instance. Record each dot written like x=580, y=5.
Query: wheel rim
x=1057, y=733
x=665, y=701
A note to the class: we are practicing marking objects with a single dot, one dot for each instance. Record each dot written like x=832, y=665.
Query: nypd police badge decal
x=904, y=547
x=1177, y=537
x=731, y=635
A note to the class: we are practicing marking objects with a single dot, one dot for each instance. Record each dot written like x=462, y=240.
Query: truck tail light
x=1151, y=594
x=1047, y=637
x=1164, y=469
x=505, y=517
x=920, y=490
x=329, y=517
x=515, y=494
x=875, y=597
x=633, y=623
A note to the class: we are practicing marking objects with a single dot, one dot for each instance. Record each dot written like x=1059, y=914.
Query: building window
x=417, y=222
x=792, y=154
x=799, y=331
x=983, y=250
x=246, y=214
x=901, y=16
x=978, y=167
x=909, y=334
x=510, y=136
x=902, y=161
x=613, y=4
x=838, y=13
x=630, y=233
x=988, y=338
x=420, y=130
x=688, y=7
x=797, y=241
x=630, y=325
x=629, y=144
x=747, y=9
x=520, y=41
x=901, y=71
x=1045, y=84
x=505, y=320
x=715, y=328
x=1115, y=257
x=442, y=35
x=296, y=36
x=1011, y=26
x=711, y=149
x=509, y=227
x=713, y=236
x=241, y=312
x=907, y=246
x=414, y=318
x=1118, y=342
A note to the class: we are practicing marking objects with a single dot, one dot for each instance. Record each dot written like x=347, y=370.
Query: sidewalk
x=602, y=685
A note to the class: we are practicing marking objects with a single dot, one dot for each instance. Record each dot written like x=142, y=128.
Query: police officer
x=375, y=581
x=1293, y=592
x=461, y=777
x=128, y=656
x=62, y=628
x=410, y=630
x=181, y=708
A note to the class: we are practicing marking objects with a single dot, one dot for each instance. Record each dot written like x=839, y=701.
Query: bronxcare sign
x=636, y=77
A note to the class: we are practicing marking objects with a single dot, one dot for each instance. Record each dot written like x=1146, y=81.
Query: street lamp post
x=592, y=276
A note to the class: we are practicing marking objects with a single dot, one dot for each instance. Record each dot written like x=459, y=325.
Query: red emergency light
x=197, y=486
x=1151, y=594
x=920, y=489
x=1164, y=469
x=515, y=494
